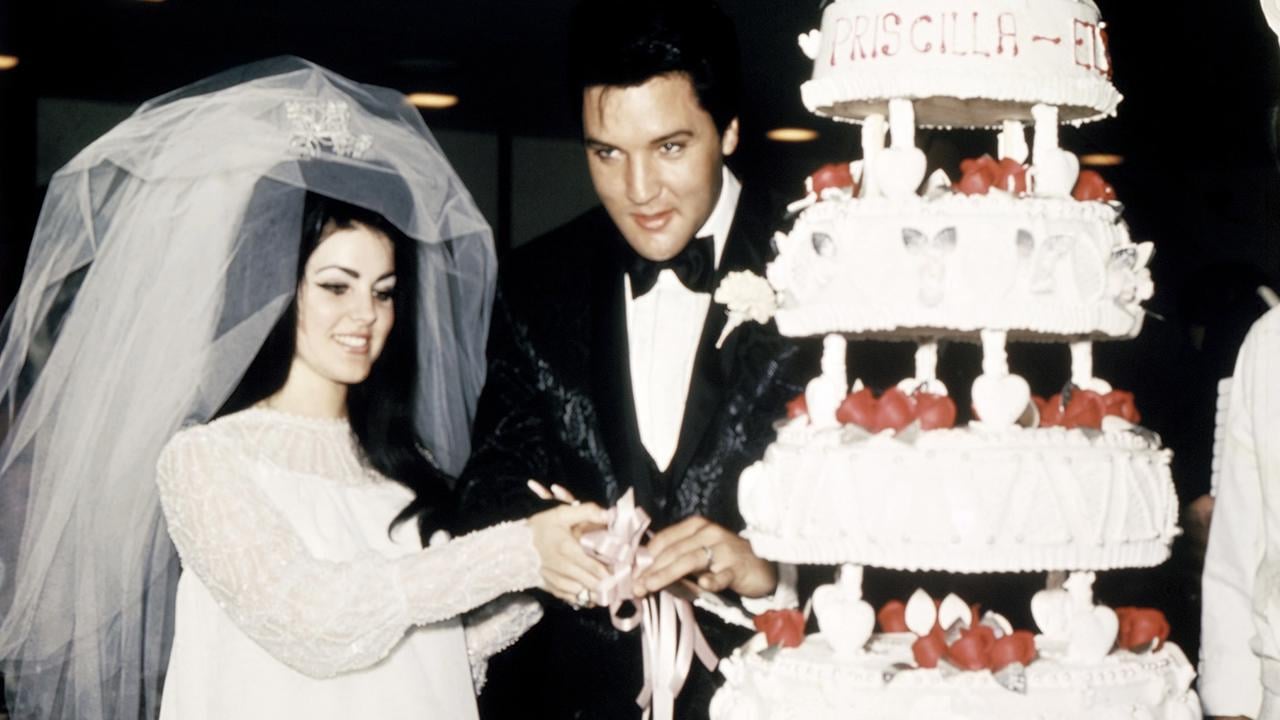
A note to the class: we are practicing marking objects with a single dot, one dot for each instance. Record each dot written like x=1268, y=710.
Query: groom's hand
x=719, y=558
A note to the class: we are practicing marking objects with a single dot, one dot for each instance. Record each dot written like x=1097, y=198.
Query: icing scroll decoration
x=1128, y=278
x=1044, y=257
x=931, y=255
x=670, y=637
x=324, y=125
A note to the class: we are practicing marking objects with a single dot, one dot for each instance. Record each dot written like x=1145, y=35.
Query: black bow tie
x=694, y=265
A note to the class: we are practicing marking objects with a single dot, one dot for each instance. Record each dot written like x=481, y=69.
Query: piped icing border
x=1015, y=500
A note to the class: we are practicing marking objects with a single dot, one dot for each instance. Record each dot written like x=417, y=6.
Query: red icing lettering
x=1007, y=29
x=1080, y=32
x=843, y=30
x=915, y=41
x=891, y=33
x=973, y=42
x=861, y=24
x=970, y=33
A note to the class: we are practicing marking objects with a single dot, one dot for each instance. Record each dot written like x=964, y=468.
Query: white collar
x=721, y=218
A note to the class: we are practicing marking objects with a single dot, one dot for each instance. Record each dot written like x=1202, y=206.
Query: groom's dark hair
x=626, y=43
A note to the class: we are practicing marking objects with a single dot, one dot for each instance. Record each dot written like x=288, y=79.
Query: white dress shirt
x=1240, y=634
x=663, y=329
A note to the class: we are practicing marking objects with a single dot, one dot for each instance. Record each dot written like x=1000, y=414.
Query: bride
x=251, y=328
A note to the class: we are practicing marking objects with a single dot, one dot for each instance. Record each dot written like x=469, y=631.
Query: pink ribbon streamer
x=669, y=632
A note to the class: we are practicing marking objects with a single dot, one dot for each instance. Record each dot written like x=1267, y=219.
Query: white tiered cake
x=1026, y=247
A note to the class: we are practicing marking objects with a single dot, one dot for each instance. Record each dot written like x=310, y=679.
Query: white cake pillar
x=824, y=393
x=874, y=132
x=1081, y=363
x=899, y=169
x=1053, y=170
x=1012, y=142
x=1082, y=368
x=849, y=578
x=999, y=398
x=926, y=374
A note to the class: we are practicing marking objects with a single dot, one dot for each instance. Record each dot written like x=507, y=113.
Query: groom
x=604, y=373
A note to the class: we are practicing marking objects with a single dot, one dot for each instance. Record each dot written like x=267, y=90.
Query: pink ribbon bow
x=669, y=633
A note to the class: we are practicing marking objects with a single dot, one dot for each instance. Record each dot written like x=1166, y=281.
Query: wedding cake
x=1023, y=246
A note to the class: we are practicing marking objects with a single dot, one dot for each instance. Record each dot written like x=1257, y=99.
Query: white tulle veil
x=164, y=253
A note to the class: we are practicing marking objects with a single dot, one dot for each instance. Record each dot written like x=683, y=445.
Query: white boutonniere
x=746, y=296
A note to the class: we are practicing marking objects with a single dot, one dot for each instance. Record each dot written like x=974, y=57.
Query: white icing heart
x=845, y=621
x=1000, y=401
x=921, y=613
x=810, y=43
x=1054, y=173
x=1093, y=634
x=1051, y=609
x=954, y=610
x=898, y=171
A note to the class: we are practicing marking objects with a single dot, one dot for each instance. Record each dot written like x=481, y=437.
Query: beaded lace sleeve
x=319, y=617
x=496, y=627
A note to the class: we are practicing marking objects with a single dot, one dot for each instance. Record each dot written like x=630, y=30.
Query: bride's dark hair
x=380, y=409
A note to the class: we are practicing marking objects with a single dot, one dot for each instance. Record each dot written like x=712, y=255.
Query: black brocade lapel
x=611, y=379
x=712, y=375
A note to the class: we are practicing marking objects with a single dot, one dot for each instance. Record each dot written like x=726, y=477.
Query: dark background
x=1197, y=130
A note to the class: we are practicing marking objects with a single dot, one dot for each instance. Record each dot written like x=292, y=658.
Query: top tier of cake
x=966, y=63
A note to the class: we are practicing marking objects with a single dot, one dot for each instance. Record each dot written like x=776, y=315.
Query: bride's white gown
x=295, y=599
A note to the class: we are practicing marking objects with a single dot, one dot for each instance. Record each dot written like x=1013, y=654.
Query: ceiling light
x=8, y=62
x=792, y=134
x=1101, y=159
x=432, y=101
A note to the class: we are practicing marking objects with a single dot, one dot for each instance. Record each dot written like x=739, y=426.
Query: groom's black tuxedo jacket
x=557, y=407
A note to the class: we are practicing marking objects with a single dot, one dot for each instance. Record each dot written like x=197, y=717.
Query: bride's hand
x=567, y=569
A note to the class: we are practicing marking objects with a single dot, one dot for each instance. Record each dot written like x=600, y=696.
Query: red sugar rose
x=977, y=175
x=1050, y=410
x=1011, y=176
x=1120, y=403
x=1091, y=186
x=1086, y=409
x=797, y=407
x=970, y=651
x=1139, y=626
x=935, y=411
x=929, y=649
x=833, y=175
x=781, y=627
x=1019, y=647
x=893, y=617
x=858, y=408
x=895, y=409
